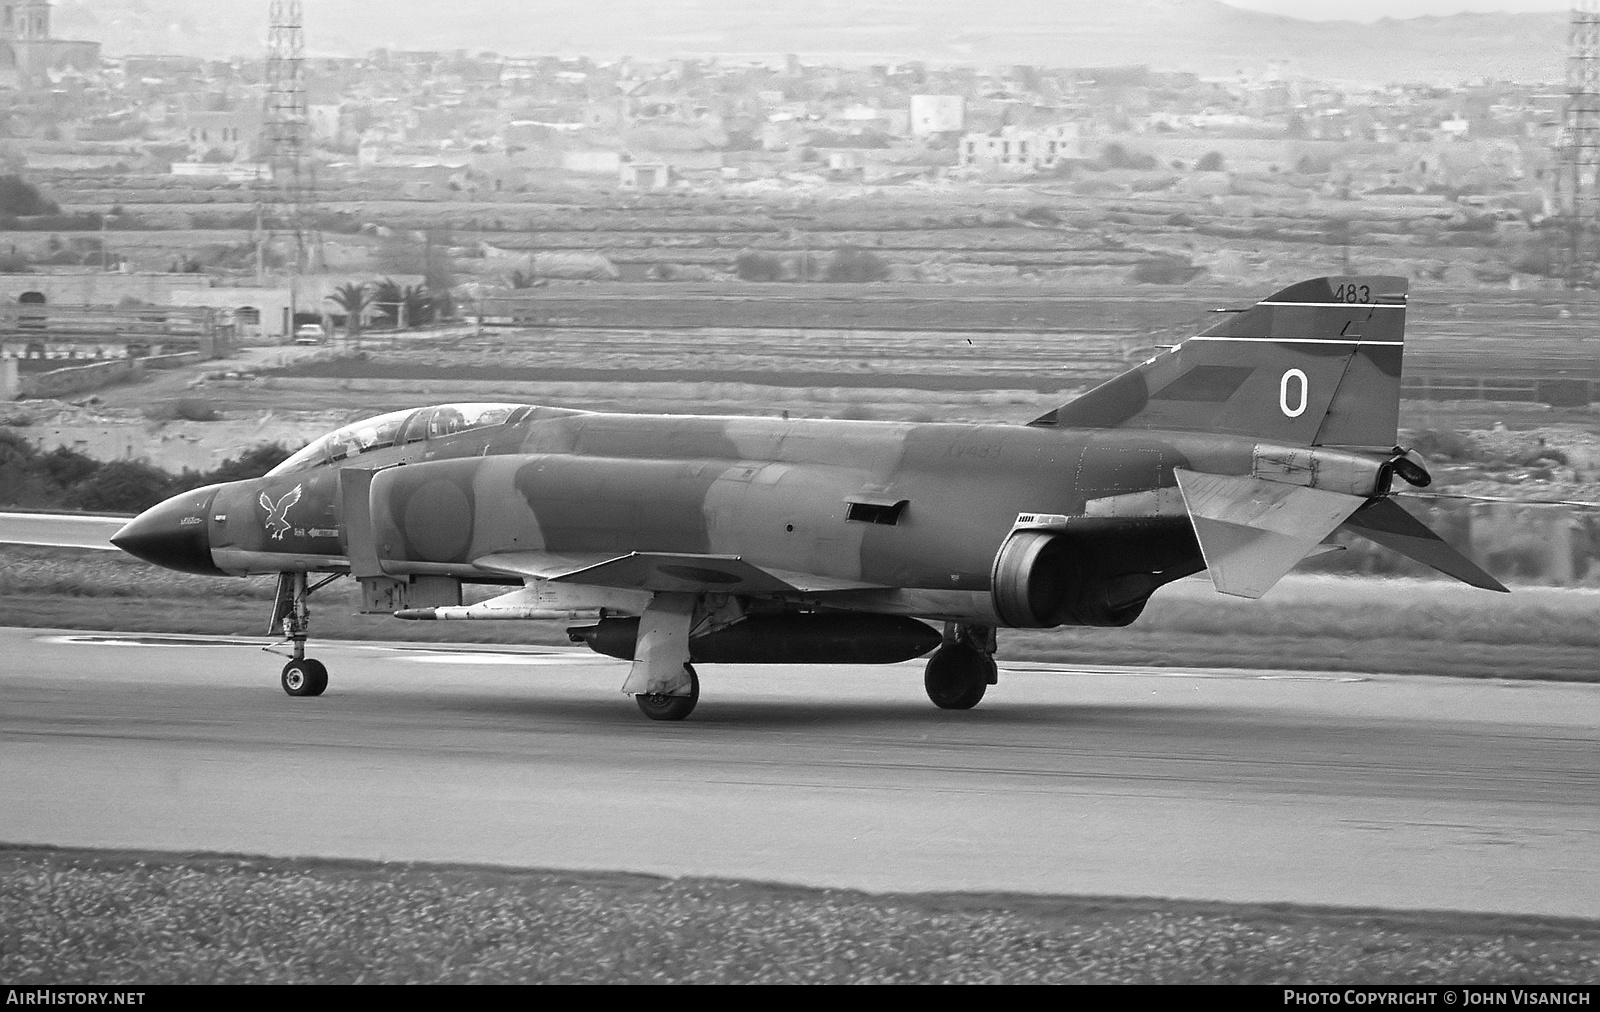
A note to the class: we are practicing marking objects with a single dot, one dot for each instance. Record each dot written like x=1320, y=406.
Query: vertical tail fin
x=1317, y=363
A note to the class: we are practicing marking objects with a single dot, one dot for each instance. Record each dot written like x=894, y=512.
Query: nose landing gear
x=305, y=677
x=291, y=614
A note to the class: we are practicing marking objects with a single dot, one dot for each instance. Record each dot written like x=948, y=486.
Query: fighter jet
x=676, y=540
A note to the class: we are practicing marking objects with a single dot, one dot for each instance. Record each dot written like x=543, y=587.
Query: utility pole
x=286, y=130
x=1578, y=149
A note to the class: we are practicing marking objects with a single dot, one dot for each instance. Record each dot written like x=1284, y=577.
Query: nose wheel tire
x=659, y=706
x=957, y=676
x=305, y=678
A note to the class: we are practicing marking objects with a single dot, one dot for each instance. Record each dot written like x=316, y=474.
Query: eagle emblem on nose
x=277, y=514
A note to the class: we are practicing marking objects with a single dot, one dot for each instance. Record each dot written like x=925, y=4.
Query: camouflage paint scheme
x=773, y=492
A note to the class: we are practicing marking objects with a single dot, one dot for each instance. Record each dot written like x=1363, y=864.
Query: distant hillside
x=1199, y=35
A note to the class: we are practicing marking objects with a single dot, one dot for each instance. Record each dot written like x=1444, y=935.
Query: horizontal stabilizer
x=60, y=530
x=1387, y=523
x=1252, y=531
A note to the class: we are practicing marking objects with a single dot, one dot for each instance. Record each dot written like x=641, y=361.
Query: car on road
x=309, y=333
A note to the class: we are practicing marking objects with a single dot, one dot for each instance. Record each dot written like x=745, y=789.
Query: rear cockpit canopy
x=398, y=428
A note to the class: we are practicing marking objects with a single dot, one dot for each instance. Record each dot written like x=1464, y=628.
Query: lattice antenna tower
x=287, y=128
x=1578, y=178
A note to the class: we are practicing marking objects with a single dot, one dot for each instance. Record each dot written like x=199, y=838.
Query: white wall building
x=937, y=114
x=1022, y=149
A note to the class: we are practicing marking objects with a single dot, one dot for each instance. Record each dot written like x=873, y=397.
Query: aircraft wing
x=665, y=571
x=60, y=530
x=541, y=565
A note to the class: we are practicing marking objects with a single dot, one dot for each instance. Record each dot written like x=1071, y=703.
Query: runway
x=1415, y=793
x=61, y=530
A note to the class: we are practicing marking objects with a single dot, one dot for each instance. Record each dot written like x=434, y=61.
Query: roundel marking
x=1298, y=409
x=438, y=522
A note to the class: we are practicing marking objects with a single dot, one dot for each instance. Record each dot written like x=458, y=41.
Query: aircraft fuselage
x=915, y=506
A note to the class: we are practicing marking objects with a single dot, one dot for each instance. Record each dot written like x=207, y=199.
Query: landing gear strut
x=962, y=668
x=660, y=706
x=291, y=613
x=662, y=681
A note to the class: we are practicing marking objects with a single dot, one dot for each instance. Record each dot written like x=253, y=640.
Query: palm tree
x=418, y=304
x=388, y=298
x=354, y=300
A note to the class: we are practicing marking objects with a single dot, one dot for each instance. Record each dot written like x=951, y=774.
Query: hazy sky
x=1371, y=10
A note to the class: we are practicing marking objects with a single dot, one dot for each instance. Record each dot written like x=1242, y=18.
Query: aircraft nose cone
x=172, y=534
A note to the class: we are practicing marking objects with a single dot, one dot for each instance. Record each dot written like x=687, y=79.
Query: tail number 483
x=1292, y=391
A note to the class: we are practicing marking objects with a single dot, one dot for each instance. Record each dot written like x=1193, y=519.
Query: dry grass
x=1384, y=609
x=1329, y=623
x=94, y=917
x=82, y=573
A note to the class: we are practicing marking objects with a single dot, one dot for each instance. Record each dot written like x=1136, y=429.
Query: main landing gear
x=962, y=668
x=302, y=676
x=662, y=681
x=660, y=706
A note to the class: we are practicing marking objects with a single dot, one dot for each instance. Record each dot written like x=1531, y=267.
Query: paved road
x=163, y=384
x=1398, y=792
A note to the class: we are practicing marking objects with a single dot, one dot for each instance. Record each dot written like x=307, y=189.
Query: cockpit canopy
x=398, y=428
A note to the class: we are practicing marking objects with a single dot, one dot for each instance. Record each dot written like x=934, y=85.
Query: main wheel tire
x=659, y=706
x=957, y=676
x=305, y=677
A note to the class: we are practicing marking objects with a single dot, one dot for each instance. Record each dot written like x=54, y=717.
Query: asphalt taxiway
x=1403, y=792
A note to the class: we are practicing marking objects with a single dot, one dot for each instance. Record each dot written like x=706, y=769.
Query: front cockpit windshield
x=394, y=428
